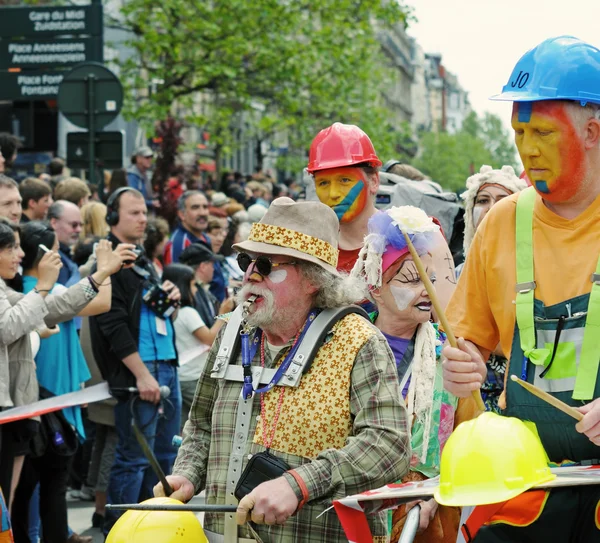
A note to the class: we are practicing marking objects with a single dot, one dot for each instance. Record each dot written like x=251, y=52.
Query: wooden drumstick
x=548, y=398
x=438, y=307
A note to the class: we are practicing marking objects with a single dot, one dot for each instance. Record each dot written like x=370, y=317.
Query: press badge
x=161, y=326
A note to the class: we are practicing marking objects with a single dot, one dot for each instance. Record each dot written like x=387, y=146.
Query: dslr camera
x=158, y=301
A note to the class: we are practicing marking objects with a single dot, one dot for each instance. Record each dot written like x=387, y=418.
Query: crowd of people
x=294, y=344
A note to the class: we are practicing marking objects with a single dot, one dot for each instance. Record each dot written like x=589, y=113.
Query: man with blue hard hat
x=532, y=283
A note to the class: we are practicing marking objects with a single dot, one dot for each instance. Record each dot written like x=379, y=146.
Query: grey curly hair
x=334, y=290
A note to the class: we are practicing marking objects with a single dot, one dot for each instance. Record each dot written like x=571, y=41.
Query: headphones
x=112, y=206
x=389, y=165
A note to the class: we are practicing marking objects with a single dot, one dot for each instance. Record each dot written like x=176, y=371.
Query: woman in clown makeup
x=484, y=190
x=403, y=316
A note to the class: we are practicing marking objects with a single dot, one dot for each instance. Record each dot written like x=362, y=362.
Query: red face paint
x=551, y=150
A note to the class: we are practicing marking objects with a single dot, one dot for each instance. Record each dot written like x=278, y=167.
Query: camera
x=158, y=301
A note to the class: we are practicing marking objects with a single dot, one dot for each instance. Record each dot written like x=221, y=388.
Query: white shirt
x=192, y=352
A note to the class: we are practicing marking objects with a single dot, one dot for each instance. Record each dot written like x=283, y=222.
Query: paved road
x=80, y=517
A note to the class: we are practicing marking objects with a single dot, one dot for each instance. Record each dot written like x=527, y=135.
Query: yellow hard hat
x=490, y=459
x=163, y=526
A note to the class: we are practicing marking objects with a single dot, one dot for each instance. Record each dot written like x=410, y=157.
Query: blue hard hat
x=563, y=68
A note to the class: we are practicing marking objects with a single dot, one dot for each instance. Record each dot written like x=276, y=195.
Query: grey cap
x=143, y=151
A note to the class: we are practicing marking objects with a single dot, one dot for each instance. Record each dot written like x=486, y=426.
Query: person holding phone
x=61, y=368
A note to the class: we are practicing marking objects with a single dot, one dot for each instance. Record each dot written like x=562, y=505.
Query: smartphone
x=41, y=250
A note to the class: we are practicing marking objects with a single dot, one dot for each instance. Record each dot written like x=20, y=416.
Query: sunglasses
x=264, y=266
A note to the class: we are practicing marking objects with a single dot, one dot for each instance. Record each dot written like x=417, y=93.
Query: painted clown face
x=403, y=293
x=551, y=149
x=345, y=190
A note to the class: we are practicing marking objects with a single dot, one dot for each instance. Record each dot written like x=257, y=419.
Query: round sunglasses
x=263, y=265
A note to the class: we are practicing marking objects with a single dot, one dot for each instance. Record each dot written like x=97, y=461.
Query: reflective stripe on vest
x=589, y=359
x=521, y=511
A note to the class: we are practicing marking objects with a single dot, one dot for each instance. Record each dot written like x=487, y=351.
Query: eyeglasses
x=264, y=265
x=75, y=224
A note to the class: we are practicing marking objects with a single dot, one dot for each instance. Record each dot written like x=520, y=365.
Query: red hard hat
x=341, y=145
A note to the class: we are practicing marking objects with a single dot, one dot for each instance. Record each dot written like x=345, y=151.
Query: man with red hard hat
x=344, y=164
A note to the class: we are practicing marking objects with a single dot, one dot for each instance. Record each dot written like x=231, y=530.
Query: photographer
x=134, y=346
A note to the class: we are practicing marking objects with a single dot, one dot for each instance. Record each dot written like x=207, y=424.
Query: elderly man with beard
x=342, y=430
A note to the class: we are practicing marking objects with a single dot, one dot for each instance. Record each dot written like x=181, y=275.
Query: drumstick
x=542, y=395
x=438, y=307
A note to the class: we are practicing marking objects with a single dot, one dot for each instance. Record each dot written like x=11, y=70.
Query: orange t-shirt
x=566, y=252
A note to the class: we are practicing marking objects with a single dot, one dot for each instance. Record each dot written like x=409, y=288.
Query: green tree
x=273, y=65
x=498, y=141
x=450, y=158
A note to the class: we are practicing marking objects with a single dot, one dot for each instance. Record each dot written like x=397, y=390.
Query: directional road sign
x=50, y=21
x=48, y=53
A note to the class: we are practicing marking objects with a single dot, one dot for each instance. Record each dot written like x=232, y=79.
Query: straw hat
x=302, y=230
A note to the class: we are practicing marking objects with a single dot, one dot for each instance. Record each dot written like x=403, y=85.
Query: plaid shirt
x=376, y=453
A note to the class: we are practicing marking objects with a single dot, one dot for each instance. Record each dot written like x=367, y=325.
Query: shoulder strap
x=314, y=338
x=229, y=344
x=589, y=359
x=525, y=274
x=307, y=349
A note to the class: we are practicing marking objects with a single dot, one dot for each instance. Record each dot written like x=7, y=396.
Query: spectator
x=2, y=163
x=260, y=194
x=118, y=179
x=157, y=235
x=137, y=174
x=61, y=369
x=73, y=190
x=56, y=169
x=9, y=147
x=10, y=199
x=202, y=260
x=192, y=211
x=217, y=231
x=134, y=346
x=37, y=198
x=192, y=336
x=65, y=219
x=256, y=212
x=94, y=220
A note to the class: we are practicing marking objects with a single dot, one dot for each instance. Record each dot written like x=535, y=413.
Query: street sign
x=50, y=21
x=30, y=85
x=48, y=53
x=108, y=149
x=90, y=83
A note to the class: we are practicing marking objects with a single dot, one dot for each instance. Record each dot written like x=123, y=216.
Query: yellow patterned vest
x=315, y=416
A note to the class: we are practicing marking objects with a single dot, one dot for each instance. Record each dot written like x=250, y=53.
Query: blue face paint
x=346, y=203
x=525, y=109
x=542, y=187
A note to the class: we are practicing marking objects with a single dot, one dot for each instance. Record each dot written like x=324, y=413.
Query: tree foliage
x=451, y=158
x=273, y=65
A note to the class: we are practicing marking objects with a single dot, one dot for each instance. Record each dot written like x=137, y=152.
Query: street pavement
x=80, y=517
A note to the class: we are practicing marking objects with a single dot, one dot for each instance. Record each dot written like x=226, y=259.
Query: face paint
x=278, y=276
x=477, y=211
x=551, y=149
x=344, y=190
x=403, y=296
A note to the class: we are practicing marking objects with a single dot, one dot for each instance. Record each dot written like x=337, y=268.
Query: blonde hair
x=72, y=190
x=93, y=216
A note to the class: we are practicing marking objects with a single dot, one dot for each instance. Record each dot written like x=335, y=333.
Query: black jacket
x=115, y=334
